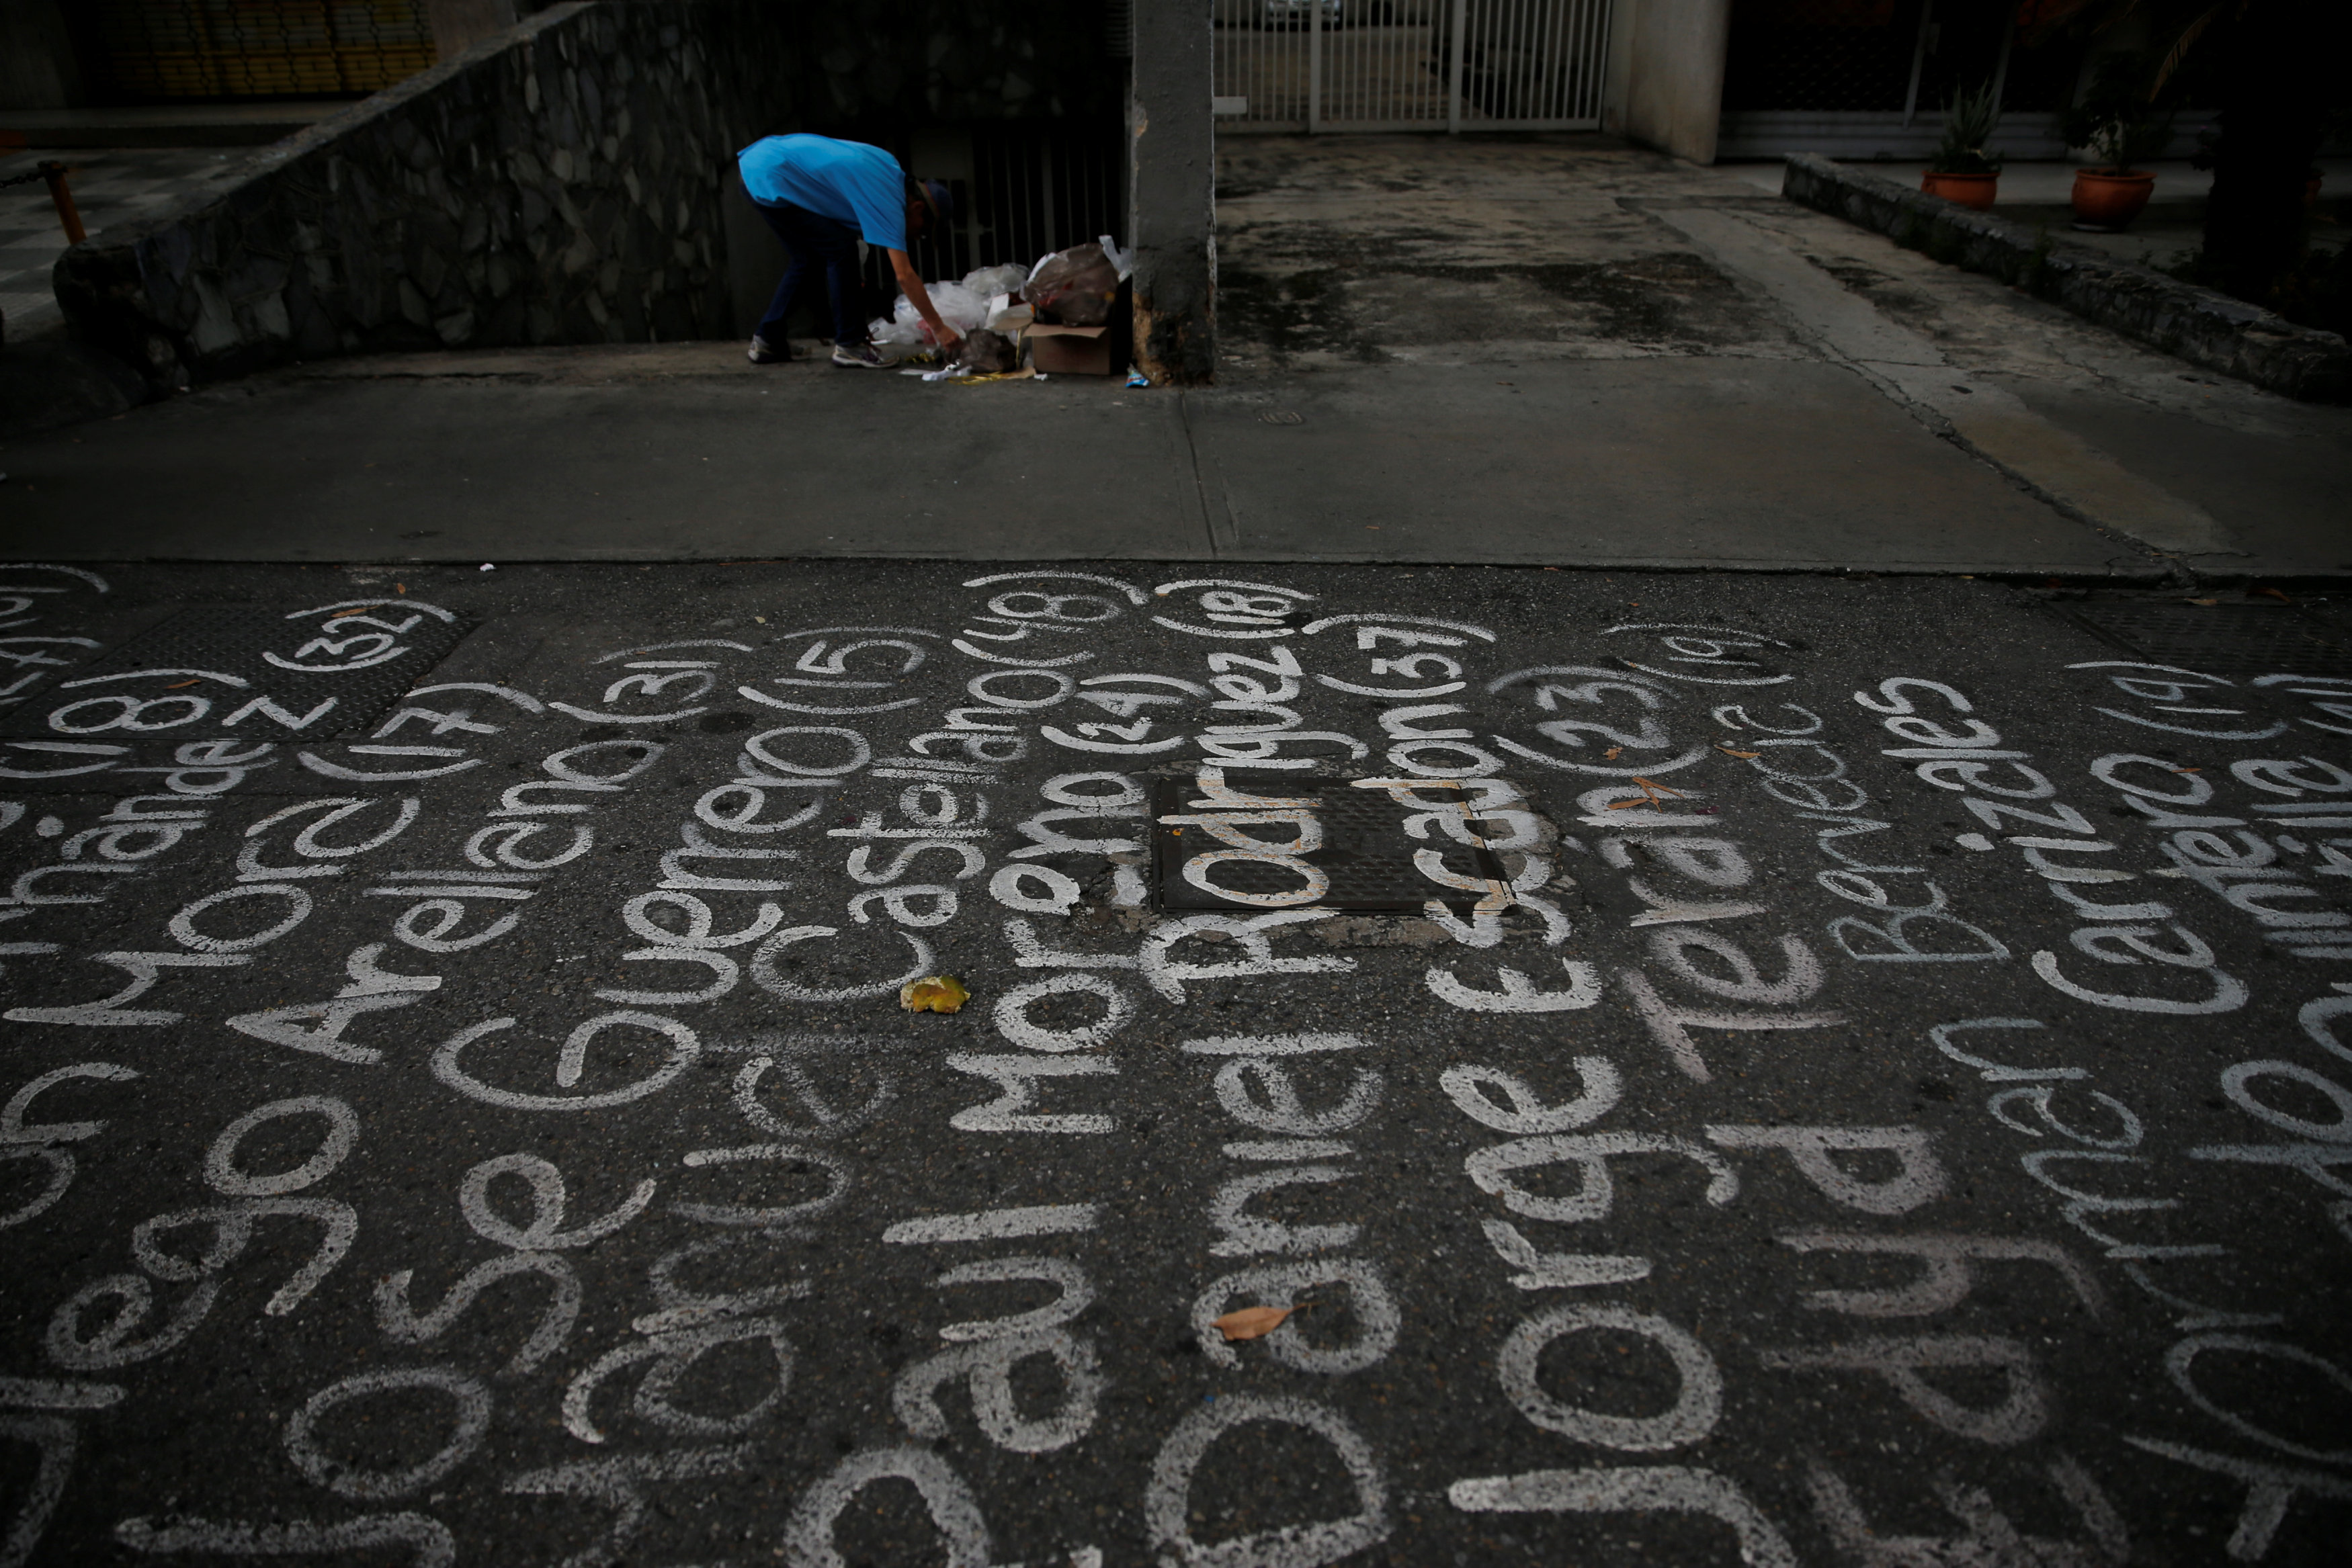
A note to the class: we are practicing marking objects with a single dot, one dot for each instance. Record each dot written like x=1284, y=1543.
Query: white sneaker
x=764, y=353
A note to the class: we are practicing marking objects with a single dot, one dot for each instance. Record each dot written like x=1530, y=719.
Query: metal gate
x=1409, y=65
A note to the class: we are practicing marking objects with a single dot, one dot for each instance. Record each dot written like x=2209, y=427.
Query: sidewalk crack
x=1219, y=540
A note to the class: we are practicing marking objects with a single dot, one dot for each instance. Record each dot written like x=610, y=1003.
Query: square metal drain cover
x=234, y=671
x=2220, y=639
x=1362, y=851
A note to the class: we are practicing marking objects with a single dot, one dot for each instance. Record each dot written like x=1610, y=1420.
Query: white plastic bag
x=988, y=281
x=898, y=341
x=959, y=306
x=1122, y=259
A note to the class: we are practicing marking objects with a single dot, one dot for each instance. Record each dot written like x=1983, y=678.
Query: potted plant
x=2120, y=125
x=1960, y=170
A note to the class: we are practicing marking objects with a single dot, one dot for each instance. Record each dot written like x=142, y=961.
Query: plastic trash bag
x=987, y=353
x=1005, y=279
x=1074, y=286
x=959, y=306
x=899, y=341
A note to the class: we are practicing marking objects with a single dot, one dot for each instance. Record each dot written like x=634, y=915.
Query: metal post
x=67, y=214
x=1454, y=73
x=1313, y=66
x=1918, y=63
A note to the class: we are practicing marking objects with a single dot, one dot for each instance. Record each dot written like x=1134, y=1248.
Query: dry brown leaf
x=1612, y=754
x=175, y=685
x=1743, y=755
x=400, y=587
x=2204, y=602
x=1654, y=795
x=933, y=994
x=339, y=614
x=2188, y=770
x=1250, y=1322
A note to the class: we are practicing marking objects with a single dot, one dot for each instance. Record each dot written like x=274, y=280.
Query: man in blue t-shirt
x=821, y=196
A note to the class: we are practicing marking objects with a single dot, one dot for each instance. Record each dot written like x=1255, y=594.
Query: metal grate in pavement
x=1366, y=853
x=2221, y=639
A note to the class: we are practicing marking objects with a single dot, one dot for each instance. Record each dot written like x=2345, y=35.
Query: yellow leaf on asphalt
x=1743, y=755
x=933, y=994
x=1612, y=754
x=1250, y=1322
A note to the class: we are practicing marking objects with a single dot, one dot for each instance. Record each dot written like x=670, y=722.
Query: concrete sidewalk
x=1677, y=462
x=1546, y=350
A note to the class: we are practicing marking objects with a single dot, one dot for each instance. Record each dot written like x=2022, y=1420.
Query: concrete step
x=163, y=125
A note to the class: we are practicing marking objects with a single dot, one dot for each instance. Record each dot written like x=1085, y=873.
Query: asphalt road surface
x=1765, y=1070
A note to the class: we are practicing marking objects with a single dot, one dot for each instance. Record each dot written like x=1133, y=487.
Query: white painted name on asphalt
x=1745, y=1100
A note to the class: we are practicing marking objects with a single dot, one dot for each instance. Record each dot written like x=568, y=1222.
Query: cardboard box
x=1059, y=351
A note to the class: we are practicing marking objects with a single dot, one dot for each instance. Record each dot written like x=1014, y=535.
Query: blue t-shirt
x=848, y=182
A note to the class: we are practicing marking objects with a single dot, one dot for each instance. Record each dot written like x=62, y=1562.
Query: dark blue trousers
x=817, y=244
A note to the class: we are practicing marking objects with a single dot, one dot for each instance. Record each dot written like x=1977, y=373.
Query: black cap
x=936, y=197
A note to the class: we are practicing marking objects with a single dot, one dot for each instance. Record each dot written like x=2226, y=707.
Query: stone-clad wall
x=557, y=185
x=2199, y=325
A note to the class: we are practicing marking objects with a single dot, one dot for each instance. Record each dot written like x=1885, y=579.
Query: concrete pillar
x=458, y=25
x=1172, y=193
x=1665, y=74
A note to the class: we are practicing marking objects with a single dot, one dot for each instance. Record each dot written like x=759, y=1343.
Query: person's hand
x=951, y=347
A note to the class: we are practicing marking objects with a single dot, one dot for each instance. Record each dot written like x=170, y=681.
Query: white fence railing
x=1409, y=65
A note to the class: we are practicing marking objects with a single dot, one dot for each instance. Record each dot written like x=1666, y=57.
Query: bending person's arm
x=910, y=284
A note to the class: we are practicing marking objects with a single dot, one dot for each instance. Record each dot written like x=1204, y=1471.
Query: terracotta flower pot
x=1961, y=190
x=2106, y=202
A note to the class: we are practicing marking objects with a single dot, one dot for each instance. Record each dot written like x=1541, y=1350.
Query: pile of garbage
x=991, y=306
